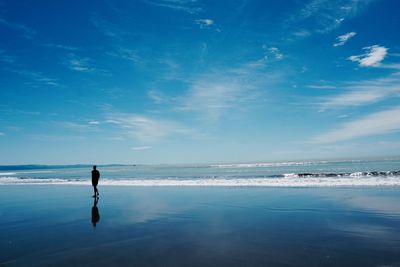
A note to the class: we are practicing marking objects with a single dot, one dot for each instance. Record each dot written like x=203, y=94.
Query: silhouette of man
x=95, y=212
x=95, y=181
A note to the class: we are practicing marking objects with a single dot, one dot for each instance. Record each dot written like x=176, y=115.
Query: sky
x=195, y=81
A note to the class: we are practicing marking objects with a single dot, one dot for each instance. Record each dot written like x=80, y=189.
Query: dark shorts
x=94, y=182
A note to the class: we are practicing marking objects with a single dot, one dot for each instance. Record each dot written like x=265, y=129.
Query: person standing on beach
x=95, y=181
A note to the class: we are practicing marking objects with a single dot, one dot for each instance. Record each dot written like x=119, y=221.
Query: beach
x=215, y=133
x=56, y=225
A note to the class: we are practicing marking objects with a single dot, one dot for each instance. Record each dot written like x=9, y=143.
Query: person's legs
x=95, y=190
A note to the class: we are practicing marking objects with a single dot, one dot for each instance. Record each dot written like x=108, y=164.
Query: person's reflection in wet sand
x=95, y=212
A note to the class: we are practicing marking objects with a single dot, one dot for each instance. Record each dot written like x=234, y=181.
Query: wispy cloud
x=213, y=98
x=372, y=57
x=146, y=129
x=78, y=64
x=270, y=54
x=321, y=86
x=378, y=123
x=126, y=54
x=116, y=138
x=364, y=92
x=393, y=66
x=4, y=109
x=356, y=98
x=274, y=52
x=2, y=134
x=60, y=46
x=301, y=33
x=78, y=126
x=158, y=97
x=204, y=23
x=26, y=31
x=221, y=91
x=189, y=6
x=4, y=57
x=322, y=16
x=215, y=94
x=56, y=138
x=37, y=77
x=342, y=39
x=140, y=148
x=107, y=28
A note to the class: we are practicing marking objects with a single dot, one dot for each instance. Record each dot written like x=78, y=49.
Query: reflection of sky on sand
x=144, y=206
x=387, y=205
x=384, y=202
x=373, y=215
x=380, y=233
x=209, y=226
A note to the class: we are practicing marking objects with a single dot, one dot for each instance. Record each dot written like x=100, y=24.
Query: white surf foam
x=30, y=172
x=267, y=164
x=248, y=182
x=7, y=173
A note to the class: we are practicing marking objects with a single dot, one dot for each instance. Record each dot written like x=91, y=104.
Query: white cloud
x=378, y=123
x=224, y=91
x=342, y=39
x=4, y=57
x=372, y=57
x=79, y=64
x=140, y=148
x=212, y=99
x=148, y=130
x=393, y=66
x=1, y=134
x=94, y=122
x=221, y=92
x=157, y=96
x=27, y=32
x=59, y=46
x=56, y=138
x=189, y=6
x=214, y=95
x=302, y=33
x=275, y=52
x=116, y=138
x=364, y=92
x=356, y=98
x=127, y=54
x=204, y=23
x=270, y=53
x=37, y=77
x=322, y=16
x=322, y=86
x=77, y=126
x=107, y=28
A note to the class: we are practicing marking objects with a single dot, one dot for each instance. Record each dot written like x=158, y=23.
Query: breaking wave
x=387, y=178
x=268, y=164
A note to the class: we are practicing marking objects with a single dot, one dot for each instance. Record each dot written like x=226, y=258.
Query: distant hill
x=41, y=167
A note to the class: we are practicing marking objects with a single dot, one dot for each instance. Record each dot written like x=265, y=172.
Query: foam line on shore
x=248, y=182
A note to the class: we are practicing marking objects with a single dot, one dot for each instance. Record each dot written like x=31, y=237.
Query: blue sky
x=193, y=81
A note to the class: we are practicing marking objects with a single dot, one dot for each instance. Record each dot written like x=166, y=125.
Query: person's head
x=94, y=167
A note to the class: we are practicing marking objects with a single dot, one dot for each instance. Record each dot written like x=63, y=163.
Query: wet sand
x=53, y=225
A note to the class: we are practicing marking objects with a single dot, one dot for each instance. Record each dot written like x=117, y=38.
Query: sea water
x=374, y=172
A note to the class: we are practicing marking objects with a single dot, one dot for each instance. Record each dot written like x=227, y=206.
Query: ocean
x=374, y=172
x=314, y=213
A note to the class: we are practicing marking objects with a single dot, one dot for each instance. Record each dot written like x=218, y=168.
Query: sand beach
x=54, y=225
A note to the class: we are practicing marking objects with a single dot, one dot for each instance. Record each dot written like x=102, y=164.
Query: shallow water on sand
x=199, y=226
